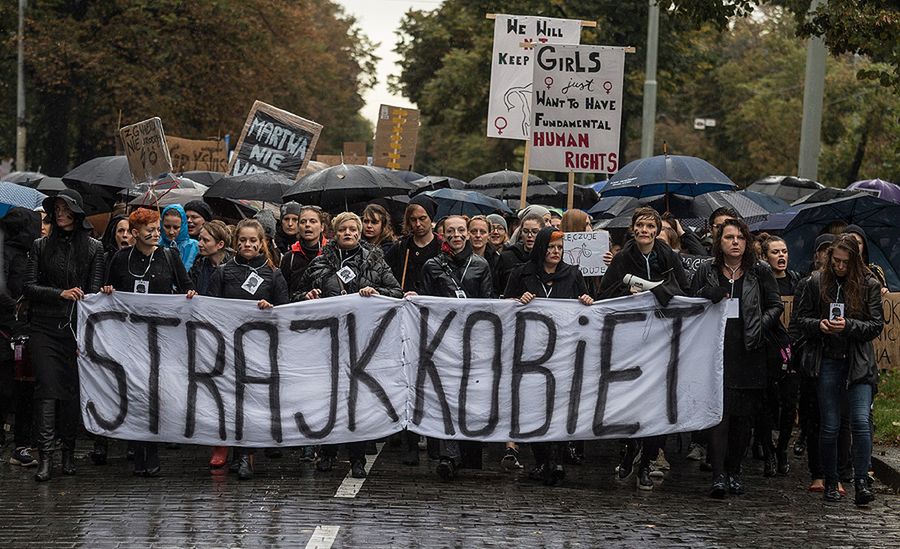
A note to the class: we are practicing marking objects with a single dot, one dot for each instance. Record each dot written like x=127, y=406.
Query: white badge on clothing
x=460, y=294
x=252, y=283
x=835, y=310
x=733, y=308
x=346, y=274
x=141, y=287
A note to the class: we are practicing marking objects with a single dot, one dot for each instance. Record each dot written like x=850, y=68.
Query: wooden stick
x=584, y=23
x=525, y=173
x=570, y=191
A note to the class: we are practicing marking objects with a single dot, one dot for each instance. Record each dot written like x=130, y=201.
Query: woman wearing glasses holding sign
x=347, y=266
x=839, y=309
x=546, y=275
x=458, y=272
x=249, y=275
x=145, y=268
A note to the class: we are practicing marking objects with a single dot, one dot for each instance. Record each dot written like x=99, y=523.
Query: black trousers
x=56, y=418
x=23, y=407
x=357, y=451
x=779, y=411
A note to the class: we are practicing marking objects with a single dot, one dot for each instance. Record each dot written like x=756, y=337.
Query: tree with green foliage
x=92, y=65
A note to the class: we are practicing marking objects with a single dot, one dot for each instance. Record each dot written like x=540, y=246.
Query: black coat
x=54, y=267
x=566, y=282
x=407, y=260
x=202, y=270
x=295, y=262
x=367, y=264
x=665, y=265
x=510, y=259
x=809, y=310
x=227, y=280
x=164, y=270
x=444, y=274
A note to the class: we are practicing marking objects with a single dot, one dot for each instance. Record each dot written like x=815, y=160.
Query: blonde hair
x=343, y=217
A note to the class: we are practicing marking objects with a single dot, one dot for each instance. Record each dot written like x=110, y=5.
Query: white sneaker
x=696, y=453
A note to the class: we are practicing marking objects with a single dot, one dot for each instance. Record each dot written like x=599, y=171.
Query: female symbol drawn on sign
x=576, y=254
x=548, y=81
x=607, y=86
x=500, y=123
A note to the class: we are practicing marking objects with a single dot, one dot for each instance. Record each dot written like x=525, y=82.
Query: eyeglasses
x=530, y=232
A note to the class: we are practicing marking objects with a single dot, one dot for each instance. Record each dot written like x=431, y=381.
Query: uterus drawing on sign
x=518, y=103
x=575, y=254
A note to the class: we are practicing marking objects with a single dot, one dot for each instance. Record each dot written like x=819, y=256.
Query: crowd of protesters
x=820, y=373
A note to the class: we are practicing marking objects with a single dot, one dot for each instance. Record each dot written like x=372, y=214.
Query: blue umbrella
x=801, y=224
x=461, y=202
x=12, y=195
x=665, y=175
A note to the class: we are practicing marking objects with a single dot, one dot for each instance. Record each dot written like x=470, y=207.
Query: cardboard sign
x=198, y=154
x=396, y=136
x=355, y=152
x=145, y=147
x=274, y=141
x=515, y=36
x=577, y=108
x=585, y=251
x=329, y=159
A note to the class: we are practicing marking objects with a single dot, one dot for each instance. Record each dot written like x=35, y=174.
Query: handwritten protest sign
x=145, y=147
x=198, y=154
x=396, y=137
x=585, y=250
x=515, y=36
x=275, y=141
x=355, y=152
x=468, y=369
x=577, y=108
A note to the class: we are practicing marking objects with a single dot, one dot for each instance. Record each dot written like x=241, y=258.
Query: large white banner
x=576, y=110
x=214, y=371
x=515, y=36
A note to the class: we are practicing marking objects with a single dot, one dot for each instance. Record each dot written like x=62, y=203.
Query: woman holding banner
x=62, y=268
x=457, y=273
x=348, y=266
x=754, y=310
x=648, y=258
x=546, y=275
x=309, y=245
x=843, y=350
x=249, y=275
x=145, y=268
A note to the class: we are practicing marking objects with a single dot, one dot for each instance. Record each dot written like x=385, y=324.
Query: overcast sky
x=379, y=19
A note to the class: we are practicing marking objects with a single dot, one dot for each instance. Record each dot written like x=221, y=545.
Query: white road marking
x=323, y=537
x=351, y=486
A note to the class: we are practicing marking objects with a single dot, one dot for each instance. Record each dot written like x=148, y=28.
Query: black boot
x=100, y=451
x=769, y=464
x=718, y=489
x=245, y=468
x=864, y=494
x=784, y=465
x=68, y=461
x=831, y=492
x=45, y=464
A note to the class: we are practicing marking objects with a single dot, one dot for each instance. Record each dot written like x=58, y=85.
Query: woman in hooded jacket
x=457, y=273
x=116, y=236
x=174, y=234
x=347, y=266
x=249, y=275
x=546, y=275
x=62, y=269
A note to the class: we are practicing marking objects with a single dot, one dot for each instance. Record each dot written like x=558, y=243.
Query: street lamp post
x=20, y=92
x=648, y=118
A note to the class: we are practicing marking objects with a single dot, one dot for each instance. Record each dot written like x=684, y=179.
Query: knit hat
x=201, y=208
x=824, y=239
x=534, y=208
x=496, y=219
x=267, y=220
x=290, y=208
x=429, y=205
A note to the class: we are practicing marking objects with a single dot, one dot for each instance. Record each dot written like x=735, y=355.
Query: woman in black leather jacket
x=734, y=273
x=347, y=266
x=841, y=354
x=62, y=268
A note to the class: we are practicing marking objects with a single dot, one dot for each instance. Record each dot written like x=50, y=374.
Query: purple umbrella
x=880, y=188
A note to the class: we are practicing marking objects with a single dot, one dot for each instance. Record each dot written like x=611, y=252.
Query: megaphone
x=639, y=283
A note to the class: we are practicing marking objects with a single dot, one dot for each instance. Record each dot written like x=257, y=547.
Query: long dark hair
x=749, y=258
x=852, y=287
x=376, y=211
x=80, y=236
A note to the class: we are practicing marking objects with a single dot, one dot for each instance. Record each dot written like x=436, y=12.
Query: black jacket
x=510, y=259
x=566, y=282
x=665, y=264
x=202, y=270
x=227, y=280
x=295, y=261
x=761, y=306
x=411, y=264
x=809, y=310
x=367, y=264
x=691, y=244
x=448, y=272
x=163, y=271
x=56, y=266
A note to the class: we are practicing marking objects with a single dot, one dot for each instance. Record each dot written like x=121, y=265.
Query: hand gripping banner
x=222, y=372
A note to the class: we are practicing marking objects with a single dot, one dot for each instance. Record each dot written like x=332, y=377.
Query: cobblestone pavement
x=288, y=504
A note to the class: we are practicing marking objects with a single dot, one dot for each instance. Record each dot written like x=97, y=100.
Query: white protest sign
x=515, y=36
x=585, y=251
x=577, y=108
x=214, y=371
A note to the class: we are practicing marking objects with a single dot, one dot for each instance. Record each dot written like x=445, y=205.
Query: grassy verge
x=887, y=409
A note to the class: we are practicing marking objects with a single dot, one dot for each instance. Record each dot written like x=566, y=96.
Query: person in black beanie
x=198, y=212
x=288, y=228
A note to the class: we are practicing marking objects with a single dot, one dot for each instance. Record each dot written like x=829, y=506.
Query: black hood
x=109, y=235
x=856, y=229
x=21, y=227
x=539, y=252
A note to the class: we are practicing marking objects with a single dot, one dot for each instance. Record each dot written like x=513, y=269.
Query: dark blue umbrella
x=824, y=195
x=584, y=195
x=769, y=202
x=613, y=206
x=462, y=202
x=801, y=224
x=13, y=195
x=667, y=175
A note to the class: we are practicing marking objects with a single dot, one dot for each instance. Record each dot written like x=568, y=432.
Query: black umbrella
x=36, y=180
x=785, y=187
x=702, y=206
x=824, y=195
x=613, y=206
x=264, y=186
x=204, y=177
x=435, y=182
x=538, y=193
x=346, y=184
x=404, y=175
x=504, y=179
x=585, y=196
x=99, y=181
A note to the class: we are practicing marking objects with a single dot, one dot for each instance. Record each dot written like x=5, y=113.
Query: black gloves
x=713, y=293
